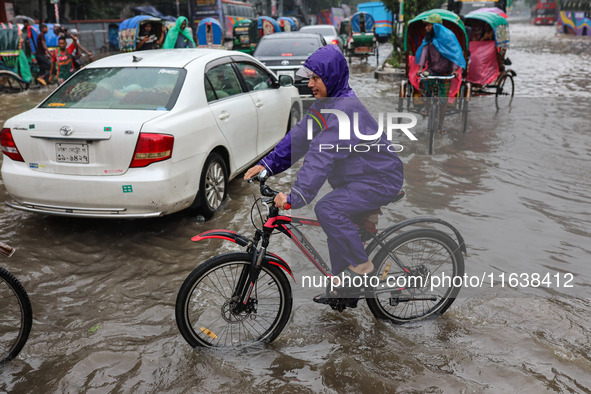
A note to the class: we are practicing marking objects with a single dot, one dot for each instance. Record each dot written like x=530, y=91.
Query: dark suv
x=284, y=53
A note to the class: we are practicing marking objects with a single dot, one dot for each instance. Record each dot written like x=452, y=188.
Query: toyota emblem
x=66, y=130
x=284, y=62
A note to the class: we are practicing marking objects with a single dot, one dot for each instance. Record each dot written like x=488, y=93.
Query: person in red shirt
x=62, y=62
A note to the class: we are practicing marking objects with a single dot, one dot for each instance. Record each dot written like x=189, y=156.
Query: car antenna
x=136, y=58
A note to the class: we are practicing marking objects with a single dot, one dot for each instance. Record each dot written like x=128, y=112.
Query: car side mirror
x=285, y=80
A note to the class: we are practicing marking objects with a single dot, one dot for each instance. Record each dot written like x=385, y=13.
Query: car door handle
x=259, y=104
x=224, y=115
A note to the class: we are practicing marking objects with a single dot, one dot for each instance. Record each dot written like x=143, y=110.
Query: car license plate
x=71, y=153
x=286, y=72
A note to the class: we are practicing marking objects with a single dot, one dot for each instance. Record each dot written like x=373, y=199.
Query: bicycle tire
x=433, y=249
x=16, y=316
x=203, y=312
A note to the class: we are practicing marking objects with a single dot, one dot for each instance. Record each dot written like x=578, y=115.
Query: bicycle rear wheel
x=16, y=316
x=205, y=307
x=405, y=296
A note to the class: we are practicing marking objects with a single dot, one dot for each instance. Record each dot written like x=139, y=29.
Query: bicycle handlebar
x=266, y=191
x=424, y=75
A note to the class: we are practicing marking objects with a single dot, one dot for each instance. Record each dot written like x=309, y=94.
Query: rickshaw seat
x=483, y=68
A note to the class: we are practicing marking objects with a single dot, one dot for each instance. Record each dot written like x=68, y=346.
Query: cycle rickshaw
x=209, y=33
x=410, y=98
x=248, y=33
x=15, y=71
x=130, y=29
x=362, y=40
x=489, y=41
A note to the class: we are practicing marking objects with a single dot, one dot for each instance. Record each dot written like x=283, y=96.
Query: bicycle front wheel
x=16, y=316
x=206, y=312
x=418, y=290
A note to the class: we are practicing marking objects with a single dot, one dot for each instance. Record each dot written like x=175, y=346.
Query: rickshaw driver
x=442, y=54
x=361, y=182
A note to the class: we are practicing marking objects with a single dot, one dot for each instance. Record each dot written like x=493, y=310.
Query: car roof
x=291, y=34
x=308, y=27
x=176, y=58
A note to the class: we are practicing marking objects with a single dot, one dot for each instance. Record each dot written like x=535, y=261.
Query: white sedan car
x=146, y=134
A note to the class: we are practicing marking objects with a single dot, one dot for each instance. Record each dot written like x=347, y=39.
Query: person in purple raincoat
x=362, y=179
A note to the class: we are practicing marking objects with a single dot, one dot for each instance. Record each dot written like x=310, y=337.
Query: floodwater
x=516, y=185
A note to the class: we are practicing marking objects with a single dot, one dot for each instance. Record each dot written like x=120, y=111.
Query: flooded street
x=516, y=185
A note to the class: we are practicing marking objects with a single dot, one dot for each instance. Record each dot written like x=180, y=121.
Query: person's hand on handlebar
x=253, y=171
x=281, y=200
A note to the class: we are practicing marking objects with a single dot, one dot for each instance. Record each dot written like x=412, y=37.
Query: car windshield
x=287, y=47
x=140, y=88
x=323, y=30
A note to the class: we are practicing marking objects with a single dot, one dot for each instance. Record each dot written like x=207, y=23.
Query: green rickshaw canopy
x=498, y=23
x=450, y=19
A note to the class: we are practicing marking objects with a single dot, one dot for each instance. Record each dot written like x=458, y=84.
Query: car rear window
x=328, y=30
x=139, y=88
x=287, y=47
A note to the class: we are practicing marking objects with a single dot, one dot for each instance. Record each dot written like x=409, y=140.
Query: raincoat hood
x=446, y=43
x=174, y=32
x=331, y=66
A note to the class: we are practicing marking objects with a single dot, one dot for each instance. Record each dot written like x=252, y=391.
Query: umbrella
x=22, y=18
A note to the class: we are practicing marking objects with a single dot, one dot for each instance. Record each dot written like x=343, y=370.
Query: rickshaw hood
x=330, y=65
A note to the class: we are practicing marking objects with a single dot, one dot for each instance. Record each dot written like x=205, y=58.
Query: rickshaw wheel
x=377, y=56
x=402, y=98
x=433, y=121
x=505, y=91
x=11, y=82
x=464, y=98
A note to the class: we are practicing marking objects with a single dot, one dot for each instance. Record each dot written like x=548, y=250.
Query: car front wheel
x=213, y=185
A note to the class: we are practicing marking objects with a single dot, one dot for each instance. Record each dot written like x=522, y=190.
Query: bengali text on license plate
x=72, y=153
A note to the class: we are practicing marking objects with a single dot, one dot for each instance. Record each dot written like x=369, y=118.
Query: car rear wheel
x=213, y=186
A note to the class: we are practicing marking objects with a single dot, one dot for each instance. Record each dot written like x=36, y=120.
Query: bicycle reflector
x=209, y=333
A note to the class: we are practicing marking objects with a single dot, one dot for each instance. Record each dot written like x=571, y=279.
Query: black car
x=284, y=53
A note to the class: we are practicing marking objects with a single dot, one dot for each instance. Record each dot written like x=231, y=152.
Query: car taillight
x=335, y=42
x=8, y=146
x=151, y=148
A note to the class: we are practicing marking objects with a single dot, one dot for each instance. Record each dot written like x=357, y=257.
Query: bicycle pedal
x=340, y=304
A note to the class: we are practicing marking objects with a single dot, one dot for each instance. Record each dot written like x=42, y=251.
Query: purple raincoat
x=363, y=172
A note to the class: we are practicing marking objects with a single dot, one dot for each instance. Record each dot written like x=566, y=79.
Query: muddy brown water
x=516, y=185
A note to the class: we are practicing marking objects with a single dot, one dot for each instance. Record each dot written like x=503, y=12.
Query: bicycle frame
x=288, y=225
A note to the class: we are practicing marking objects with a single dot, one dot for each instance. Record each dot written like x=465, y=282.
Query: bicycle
x=16, y=314
x=241, y=298
x=435, y=104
